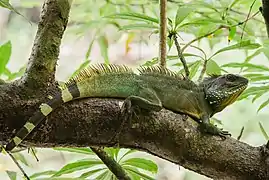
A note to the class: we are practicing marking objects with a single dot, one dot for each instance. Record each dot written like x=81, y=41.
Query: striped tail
x=68, y=94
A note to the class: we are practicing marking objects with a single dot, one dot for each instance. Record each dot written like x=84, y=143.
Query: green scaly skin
x=152, y=89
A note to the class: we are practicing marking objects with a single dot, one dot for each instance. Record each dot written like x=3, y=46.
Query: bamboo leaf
x=182, y=13
x=92, y=172
x=133, y=16
x=87, y=151
x=264, y=104
x=12, y=175
x=144, y=164
x=134, y=171
x=5, y=52
x=246, y=65
x=241, y=45
x=78, y=165
x=232, y=31
x=103, y=44
x=212, y=67
x=194, y=68
x=138, y=26
x=44, y=173
x=263, y=131
x=82, y=66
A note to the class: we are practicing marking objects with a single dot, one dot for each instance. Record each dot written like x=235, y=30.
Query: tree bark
x=92, y=122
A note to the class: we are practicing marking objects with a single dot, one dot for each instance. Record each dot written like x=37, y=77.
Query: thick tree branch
x=41, y=67
x=92, y=122
x=265, y=14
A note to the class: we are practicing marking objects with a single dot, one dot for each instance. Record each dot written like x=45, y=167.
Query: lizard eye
x=230, y=77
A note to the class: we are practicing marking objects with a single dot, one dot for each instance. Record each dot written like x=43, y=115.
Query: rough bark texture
x=92, y=122
x=265, y=13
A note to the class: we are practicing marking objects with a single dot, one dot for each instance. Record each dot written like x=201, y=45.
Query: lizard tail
x=44, y=110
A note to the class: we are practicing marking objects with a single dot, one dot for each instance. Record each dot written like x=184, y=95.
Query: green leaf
x=5, y=52
x=112, y=152
x=82, y=66
x=130, y=151
x=134, y=17
x=12, y=76
x=144, y=164
x=233, y=3
x=103, y=43
x=241, y=45
x=212, y=67
x=253, y=91
x=232, y=31
x=18, y=156
x=263, y=131
x=44, y=173
x=194, y=68
x=92, y=172
x=265, y=103
x=12, y=175
x=78, y=165
x=87, y=55
x=256, y=53
x=182, y=13
x=247, y=65
x=135, y=171
x=87, y=151
x=170, y=42
x=257, y=96
x=104, y=175
x=139, y=26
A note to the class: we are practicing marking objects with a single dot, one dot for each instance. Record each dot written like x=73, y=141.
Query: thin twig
x=18, y=165
x=200, y=37
x=112, y=165
x=181, y=57
x=162, y=35
x=241, y=133
x=203, y=71
x=247, y=18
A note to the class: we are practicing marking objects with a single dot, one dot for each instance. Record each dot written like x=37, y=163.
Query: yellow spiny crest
x=158, y=70
x=96, y=70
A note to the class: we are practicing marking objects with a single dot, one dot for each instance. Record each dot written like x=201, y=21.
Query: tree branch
x=181, y=57
x=265, y=14
x=92, y=122
x=163, y=34
x=112, y=165
x=41, y=67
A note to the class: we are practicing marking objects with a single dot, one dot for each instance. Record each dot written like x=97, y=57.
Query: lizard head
x=223, y=90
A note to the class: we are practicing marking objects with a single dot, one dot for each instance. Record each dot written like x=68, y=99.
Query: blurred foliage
x=93, y=167
x=238, y=22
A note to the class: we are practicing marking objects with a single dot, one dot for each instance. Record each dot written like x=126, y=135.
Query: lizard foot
x=214, y=130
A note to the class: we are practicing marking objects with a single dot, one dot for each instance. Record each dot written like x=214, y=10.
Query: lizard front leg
x=207, y=127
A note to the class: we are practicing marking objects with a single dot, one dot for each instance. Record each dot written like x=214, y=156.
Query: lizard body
x=152, y=88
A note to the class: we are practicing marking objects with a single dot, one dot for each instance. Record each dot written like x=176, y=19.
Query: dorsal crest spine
x=158, y=70
x=96, y=70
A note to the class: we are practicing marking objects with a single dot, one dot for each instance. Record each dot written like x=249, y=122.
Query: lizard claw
x=214, y=130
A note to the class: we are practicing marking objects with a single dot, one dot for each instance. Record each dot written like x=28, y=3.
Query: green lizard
x=153, y=88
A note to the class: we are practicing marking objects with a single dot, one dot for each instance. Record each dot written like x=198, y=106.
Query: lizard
x=152, y=88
